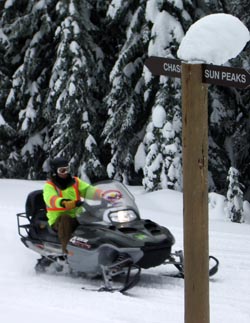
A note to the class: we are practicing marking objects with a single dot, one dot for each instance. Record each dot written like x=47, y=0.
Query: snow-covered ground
x=26, y=297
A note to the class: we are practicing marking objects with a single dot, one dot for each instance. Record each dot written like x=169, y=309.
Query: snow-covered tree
x=26, y=27
x=51, y=101
x=228, y=109
x=73, y=79
x=221, y=128
x=240, y=138
x=162, y=142
x=73, y=83
x=124, y=102
x=162, y=139
x=234, y=196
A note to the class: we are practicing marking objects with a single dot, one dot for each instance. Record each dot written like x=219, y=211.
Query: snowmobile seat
x=35, y=207
x=36, y=213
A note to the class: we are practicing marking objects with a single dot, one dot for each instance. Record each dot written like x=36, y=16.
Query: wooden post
x=195, y=194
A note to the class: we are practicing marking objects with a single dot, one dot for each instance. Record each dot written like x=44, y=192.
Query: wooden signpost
x=195, y=194
x=195, y=170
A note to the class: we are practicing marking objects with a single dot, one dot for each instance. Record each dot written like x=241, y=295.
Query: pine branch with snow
x=234, y=196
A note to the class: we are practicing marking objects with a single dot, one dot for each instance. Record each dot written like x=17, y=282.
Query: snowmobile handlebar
x=108, y=197
x=91, y=208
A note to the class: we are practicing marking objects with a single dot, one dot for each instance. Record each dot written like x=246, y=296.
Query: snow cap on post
x=214, y=39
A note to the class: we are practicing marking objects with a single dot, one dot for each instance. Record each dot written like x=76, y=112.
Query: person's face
x=63, y=172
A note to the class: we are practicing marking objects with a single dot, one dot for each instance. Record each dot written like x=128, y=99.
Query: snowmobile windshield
x=117, y=204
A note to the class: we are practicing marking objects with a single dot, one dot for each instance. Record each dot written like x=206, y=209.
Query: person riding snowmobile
x=61, y=193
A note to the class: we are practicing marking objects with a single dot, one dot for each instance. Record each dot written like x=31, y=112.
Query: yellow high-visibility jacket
x=53, y=197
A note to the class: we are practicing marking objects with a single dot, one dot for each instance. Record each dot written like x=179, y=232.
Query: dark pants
x=65, y=225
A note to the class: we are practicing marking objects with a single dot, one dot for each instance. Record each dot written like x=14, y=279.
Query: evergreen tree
x=26, y=26
x=228, y=109
x=222, y=114
x=124, y=100
x=234, y=196
x=54, y=65
x=73, y=83
x=240, y=137
x=73, y=79
x=162, y=143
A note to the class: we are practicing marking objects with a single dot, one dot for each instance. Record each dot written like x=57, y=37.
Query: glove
x=68, y=204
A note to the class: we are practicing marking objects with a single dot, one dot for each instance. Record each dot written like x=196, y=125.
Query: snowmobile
x=111, y=241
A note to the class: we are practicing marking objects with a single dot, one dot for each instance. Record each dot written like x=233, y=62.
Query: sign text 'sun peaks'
x=227, y=76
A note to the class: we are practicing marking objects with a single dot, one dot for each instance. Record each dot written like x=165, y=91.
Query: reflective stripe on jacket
x=53, y=197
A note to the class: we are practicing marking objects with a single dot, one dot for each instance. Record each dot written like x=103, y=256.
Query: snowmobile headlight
x=123, y=216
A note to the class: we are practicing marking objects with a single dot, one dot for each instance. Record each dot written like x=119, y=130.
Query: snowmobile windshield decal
x=80, y=242
x=112, y=195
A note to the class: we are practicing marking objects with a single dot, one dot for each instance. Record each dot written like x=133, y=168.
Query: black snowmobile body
x=111, y=239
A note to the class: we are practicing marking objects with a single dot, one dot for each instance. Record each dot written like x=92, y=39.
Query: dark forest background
x=73, y=83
